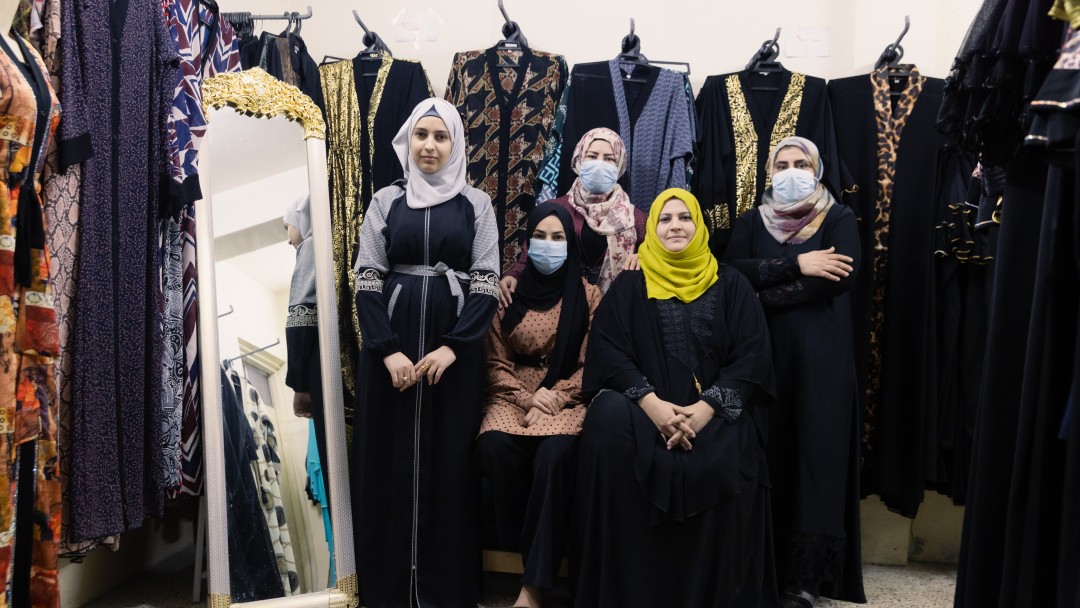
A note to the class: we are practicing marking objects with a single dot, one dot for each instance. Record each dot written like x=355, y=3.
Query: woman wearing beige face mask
x=800, y=250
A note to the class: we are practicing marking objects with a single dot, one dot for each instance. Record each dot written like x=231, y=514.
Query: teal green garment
x=318, y=491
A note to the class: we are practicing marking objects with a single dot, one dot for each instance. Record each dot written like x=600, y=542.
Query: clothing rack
x=284, y=16
x=257, y=350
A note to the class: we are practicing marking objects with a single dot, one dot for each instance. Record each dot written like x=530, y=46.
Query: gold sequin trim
x=373, y=109
x=256, y=93
x=343, y=161
x=218, y=600
x=746, y=147
x=789, y=116
x=746, y=136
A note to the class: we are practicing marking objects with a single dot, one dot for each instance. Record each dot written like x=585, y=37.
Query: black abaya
x=986, y=513
x=643, y=513
x=813, y=428
x=415, y=492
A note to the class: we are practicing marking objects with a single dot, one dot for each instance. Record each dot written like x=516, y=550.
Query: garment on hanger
x=741, y=117
x=651, y=111
x=253, y=568
x=207, y=46
x=266, y=469
x=285, y=58
x=28, y=336
x=888, y=144
x=1007, y=53
x=1020, y=543
x=508, y=113
x=127, y=65
x=962, y=273
x=363, y=115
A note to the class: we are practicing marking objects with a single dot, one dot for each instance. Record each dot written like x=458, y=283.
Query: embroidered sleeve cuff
x=725, y=402
x=486, y=283
x=369, y=279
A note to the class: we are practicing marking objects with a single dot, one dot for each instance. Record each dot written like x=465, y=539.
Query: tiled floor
x=914, y=586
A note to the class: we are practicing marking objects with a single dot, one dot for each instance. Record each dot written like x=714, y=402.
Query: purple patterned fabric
x=127, y=63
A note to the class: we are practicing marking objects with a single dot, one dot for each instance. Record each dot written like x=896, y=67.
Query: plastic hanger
x=891, y=56
x=513, y=40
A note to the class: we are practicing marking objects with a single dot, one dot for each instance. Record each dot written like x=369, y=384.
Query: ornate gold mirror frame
x=256, y=93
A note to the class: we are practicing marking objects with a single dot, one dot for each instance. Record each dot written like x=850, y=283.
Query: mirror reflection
x=280, y=537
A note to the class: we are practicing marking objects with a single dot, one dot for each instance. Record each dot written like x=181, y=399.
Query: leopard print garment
x=890, y=125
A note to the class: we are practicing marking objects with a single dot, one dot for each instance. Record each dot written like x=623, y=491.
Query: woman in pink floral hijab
x=607, y=226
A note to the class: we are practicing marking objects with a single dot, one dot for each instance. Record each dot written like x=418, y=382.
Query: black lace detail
x=688, y=343
x=814, y=561
x=776, y=270
x=787, y=294
x=637, y=392
x=728, y=399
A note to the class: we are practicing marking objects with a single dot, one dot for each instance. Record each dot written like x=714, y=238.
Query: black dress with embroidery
x=414, y=488
x=507, y=101
x=642, y=513
x=814, y=425
x=741, y=117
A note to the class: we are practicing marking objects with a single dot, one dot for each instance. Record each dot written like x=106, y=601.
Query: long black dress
x=886, y=140
x=415, y=495
x=654, y=527
x=814, y=426
x=741, y=117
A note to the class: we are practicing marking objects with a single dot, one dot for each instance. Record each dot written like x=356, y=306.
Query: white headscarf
x=299, y=215
x=427, y=190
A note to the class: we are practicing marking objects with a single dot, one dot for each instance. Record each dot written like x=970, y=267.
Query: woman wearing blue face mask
x=607, y=226
x=800, y=250
x=536, y=349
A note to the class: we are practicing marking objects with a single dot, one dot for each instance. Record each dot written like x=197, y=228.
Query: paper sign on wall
x=807, y=41
x=417, y=26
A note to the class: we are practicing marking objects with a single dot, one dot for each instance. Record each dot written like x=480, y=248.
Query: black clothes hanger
x=764, y=62
x=513, y=38
x=893, y=53
x=632, y=56
x=246, y=21
x=374, y=47
x=631, y=48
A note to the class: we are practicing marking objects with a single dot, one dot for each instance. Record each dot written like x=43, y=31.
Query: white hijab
x=298, y=215
x=427, y=190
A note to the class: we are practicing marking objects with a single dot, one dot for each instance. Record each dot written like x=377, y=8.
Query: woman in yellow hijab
x=670, y=459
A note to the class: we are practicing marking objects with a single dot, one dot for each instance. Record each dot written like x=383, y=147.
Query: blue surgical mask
x=547, y=256
x=598, y=176
x=793, y=185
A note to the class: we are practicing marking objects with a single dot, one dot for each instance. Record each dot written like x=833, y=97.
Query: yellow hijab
x=687, y=273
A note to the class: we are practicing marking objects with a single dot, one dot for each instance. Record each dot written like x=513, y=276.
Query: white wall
x=715, y=36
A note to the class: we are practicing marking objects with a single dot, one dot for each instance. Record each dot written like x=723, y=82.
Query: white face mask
x=793, y=185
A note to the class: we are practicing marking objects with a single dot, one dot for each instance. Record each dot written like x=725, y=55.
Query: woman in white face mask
x=533, y=413
x=800, y=250
x=607, y=226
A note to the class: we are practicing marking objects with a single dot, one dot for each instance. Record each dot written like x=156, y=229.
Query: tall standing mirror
x=279, y=521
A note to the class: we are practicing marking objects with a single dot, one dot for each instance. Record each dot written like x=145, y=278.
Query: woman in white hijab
x=426, y=289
